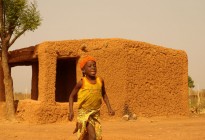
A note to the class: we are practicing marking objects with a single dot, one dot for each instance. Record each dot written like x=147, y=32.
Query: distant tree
x=16, y=17
x=190, y=82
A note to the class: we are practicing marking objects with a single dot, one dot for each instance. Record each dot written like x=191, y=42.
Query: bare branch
x=16, y=37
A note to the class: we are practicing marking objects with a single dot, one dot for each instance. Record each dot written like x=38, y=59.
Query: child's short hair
x=85, y=60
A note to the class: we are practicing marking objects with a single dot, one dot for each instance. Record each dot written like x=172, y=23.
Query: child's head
x=88, y=66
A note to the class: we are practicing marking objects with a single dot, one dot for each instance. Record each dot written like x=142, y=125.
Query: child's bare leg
x=76, y=128
x=91, y=132
x=86, y=137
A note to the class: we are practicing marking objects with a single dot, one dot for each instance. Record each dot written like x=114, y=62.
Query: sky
x=177, y=24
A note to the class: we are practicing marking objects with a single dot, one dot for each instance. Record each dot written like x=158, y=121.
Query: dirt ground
x=178, y=128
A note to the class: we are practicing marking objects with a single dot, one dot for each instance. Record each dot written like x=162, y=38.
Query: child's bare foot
x=78, y=126
x=75, y=130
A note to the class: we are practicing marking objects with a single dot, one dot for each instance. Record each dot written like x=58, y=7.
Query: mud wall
x=151, y=79
x=157, y=80
x=110, y=56
x=145, y=79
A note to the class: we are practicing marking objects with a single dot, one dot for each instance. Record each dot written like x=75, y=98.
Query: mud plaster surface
x=149, y=80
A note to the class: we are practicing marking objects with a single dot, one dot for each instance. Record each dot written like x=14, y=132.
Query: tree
x=190, y=82
x=16, y=17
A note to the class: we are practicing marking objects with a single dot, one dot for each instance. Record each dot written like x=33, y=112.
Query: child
x=90, y=90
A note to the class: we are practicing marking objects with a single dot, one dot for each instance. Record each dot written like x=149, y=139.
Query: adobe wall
x=157, y=80
x=150, y=79
x=110, y=66
x=108, y=61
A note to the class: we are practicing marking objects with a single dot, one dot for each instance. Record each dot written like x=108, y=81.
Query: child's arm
x=106, y=100
x=73, y=93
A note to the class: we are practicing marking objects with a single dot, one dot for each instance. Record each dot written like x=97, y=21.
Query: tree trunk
x=8, y=82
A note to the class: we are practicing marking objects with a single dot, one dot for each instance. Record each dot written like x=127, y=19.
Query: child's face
x=90, y=68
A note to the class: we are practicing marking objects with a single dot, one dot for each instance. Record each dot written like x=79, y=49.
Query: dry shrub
x=22, y=96
x=197, y=103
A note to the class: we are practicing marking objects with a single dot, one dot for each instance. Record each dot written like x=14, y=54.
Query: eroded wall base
x=38, y=112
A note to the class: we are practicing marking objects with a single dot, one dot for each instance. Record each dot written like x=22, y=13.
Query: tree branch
x=16, y=37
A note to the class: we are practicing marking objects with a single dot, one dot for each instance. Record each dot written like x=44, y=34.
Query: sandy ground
x=187, y=128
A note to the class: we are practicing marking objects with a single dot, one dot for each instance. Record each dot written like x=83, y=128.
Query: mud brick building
x=140, y=78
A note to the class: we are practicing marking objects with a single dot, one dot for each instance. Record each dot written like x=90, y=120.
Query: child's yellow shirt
x=90, y=95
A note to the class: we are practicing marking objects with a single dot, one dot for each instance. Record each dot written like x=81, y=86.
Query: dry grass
x=197, y=101
x=22, y=96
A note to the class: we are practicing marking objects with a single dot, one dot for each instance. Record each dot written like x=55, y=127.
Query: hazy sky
x=177, y=24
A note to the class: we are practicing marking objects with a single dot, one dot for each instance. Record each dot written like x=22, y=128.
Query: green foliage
x=190, y=82
x=12, y=10
x=19, y=16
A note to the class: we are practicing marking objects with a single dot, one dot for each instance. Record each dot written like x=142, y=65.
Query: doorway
x=65, y=78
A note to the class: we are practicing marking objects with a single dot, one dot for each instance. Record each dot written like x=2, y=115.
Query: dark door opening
x=65, y=78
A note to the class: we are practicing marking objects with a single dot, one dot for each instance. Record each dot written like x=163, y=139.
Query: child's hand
x=71, y=116
x=111, y=112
